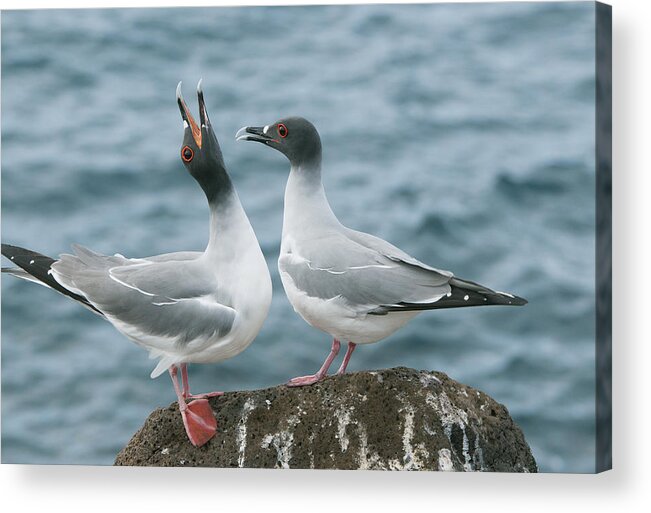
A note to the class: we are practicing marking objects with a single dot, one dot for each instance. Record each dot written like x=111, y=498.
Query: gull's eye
x=282, y=130
x=187, y=154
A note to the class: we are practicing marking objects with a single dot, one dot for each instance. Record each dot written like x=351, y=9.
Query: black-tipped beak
x=203, y=113
x=188, y=120
x=254, y=133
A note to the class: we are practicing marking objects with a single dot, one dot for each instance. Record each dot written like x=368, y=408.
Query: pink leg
x=186, y=386
x=184, y=379
x=349, y=352
x=313, y=378
x=198, y=419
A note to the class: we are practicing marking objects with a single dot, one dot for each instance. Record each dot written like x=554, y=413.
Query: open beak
x=254, y=133
x=188, y=120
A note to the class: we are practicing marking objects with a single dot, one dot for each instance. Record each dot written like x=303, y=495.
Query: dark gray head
x=295, y=137
x=200, y=151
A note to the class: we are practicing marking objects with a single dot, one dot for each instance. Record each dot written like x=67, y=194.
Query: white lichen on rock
x=414, y=458
x=427, y=378
x=282, y=441
x=249, y=406
x=445, y=460
x=451, y=416
x=367, y=459
x=394, y=419
x=343, y=420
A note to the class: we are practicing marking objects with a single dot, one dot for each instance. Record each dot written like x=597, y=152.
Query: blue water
x=462, y=133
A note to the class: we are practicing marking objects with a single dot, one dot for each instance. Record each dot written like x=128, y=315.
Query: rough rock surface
x=394, y=419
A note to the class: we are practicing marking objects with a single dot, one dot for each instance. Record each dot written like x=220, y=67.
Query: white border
x=627, y=488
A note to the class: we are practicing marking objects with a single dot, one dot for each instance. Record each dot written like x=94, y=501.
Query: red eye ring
x=187, y=154
x=282, y=130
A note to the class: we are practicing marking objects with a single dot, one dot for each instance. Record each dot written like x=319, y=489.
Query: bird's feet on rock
x=199, y=421
x=302, y=381
x=203, y=396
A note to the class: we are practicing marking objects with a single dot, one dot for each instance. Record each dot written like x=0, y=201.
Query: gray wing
x=462, y=293
x=161, y=304
x=389, y=250
x=179, y=255
x=363, y=272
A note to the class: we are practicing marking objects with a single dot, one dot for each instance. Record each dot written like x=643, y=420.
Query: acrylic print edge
x=603, y=247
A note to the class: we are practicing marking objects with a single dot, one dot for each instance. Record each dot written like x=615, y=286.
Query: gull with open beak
x=185, y=307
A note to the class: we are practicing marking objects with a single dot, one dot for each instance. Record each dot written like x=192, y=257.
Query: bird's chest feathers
x=245, y=275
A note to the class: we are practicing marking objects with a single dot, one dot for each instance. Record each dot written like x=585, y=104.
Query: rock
x=394, y=419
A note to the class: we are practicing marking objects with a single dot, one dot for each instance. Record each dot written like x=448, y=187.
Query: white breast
x=245, y=277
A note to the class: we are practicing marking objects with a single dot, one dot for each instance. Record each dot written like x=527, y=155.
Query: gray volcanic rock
x=394, y=419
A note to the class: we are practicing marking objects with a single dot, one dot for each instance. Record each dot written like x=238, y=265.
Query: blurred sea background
x=464, y=134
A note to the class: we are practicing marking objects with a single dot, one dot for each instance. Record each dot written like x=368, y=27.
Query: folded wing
x=362, y=277
x=163, y=305
x=374, y=277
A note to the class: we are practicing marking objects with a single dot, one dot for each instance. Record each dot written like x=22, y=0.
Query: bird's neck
x=216, y=185
x=230, y=229
x=306, y=204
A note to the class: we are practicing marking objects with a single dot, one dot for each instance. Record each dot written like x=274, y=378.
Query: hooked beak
x=188, y=120
x=254, y=133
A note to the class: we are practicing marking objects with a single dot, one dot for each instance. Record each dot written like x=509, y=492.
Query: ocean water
x=464, y=134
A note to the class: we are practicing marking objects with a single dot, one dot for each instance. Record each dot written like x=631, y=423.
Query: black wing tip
x=502, y=298
x=519, y=301
x=38, y=266
x=8, y=249
x=458, y=298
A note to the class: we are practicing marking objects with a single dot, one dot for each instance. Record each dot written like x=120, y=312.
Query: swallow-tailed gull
x=185, y=307
x=352, y=285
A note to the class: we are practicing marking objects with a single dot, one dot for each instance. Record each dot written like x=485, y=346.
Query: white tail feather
x=24, y=275
x=164, y=363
